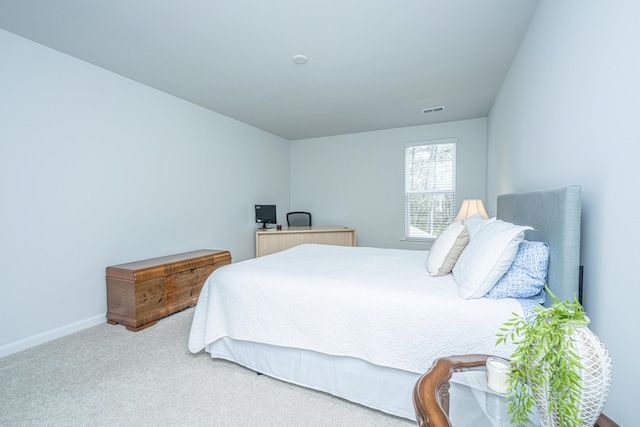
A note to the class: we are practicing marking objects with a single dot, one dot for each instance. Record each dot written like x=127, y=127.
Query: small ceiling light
x=299, y=59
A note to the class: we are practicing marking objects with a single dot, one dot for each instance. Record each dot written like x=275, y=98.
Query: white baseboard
x=23, y=344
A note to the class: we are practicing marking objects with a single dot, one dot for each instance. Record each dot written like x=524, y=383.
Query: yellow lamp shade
x=471, y=207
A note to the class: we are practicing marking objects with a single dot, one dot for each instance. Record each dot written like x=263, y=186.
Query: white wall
x=568, y=114
x=357, y=180
x=97, y=170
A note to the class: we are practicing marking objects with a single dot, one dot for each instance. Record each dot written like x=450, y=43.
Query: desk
x=439, y=403
x=272, y=240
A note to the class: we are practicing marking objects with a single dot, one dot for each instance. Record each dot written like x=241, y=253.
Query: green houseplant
x=548, y=368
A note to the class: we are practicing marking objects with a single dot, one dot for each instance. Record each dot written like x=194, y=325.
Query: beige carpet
x=108, y=376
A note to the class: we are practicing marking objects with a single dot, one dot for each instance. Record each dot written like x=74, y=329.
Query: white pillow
x=487, y=257
x=476, y=223
x=446, y=249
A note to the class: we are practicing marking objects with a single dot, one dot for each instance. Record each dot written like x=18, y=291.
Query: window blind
x=430, y=182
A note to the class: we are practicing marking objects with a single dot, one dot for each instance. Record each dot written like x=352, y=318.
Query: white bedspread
x=379, y=305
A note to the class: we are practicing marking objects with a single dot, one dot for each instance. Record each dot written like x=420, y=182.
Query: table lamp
x=471, y=207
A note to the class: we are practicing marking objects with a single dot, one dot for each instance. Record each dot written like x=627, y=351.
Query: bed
x=364, y=323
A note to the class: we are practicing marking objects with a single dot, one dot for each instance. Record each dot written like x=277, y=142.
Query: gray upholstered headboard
x=555, y=217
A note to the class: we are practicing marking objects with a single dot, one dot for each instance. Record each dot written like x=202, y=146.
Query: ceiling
x=371, y=64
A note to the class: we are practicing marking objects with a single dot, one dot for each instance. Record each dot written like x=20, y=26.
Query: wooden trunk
x=139, y=293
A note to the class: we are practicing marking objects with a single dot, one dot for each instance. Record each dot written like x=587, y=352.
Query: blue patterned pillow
x=527, y=275
x=529, y=305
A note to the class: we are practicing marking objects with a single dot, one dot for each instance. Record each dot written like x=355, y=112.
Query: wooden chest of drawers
x=139, y=293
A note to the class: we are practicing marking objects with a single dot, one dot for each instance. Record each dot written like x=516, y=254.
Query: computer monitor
x=266, y=214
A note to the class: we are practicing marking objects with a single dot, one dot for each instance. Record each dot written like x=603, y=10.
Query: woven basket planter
x=595, y=379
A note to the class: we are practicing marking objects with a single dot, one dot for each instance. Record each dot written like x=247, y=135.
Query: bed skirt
x=385, y=389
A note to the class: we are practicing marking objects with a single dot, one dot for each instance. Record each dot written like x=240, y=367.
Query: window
x=430, y=188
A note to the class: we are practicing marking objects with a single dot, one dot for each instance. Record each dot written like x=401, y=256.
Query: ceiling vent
x=433, y=110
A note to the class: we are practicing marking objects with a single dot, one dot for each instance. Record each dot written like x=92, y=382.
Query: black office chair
x=299, y=219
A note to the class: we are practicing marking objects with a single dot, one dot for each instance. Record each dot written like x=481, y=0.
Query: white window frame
x=442, y=189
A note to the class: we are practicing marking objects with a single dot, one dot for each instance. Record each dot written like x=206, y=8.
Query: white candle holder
x=498, y=374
